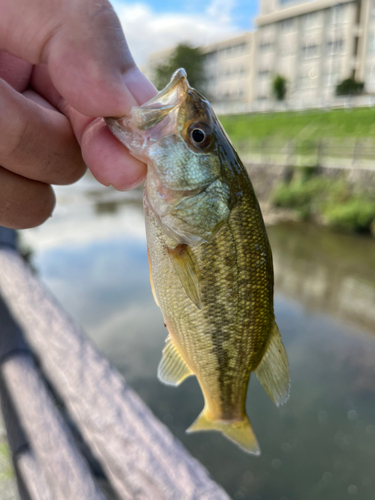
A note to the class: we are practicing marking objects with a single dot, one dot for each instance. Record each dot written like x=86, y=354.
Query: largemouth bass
x=210, y=260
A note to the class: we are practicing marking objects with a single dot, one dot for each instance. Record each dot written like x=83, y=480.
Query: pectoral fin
x=152, y=280
x=184, y=266
x=273, y=370
x=172, y=368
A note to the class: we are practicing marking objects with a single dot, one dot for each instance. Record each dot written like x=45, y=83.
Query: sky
x=153, y=25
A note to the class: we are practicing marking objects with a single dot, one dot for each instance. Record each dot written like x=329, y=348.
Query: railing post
x=8, y=238
x=290, y=153
x=356, y=153
x=46, y=461
x=320, y=153
x=139, y=456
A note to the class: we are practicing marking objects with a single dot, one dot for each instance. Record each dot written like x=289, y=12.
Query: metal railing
x=337, y=153
x=293, y=104
x=123, y=451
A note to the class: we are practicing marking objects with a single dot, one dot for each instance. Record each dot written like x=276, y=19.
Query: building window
x=241, y=47
x=312, y=20
x=371, y=77
x=287, y=26
x=310, y=51
x=338, y=14
x=262, y=73
x=332, y=77
x=371, y=43
x=265, y=46
x=233, y=50
x=335, y=47
x=210, y=56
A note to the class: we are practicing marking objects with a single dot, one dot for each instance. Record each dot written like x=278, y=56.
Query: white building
x=366, y=46
x=228, y=67
x=315, y=45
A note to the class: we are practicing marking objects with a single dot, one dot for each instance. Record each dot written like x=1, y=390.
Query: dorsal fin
x=184, y=266
x=172, y=369
x=273, y=369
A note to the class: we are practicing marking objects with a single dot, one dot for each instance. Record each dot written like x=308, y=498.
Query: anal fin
x=184, y=266
x=273, y=369
x=172, y=369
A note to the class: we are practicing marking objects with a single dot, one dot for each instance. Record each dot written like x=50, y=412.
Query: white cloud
x=221, y=10
x=74, y=203
x=147, y=31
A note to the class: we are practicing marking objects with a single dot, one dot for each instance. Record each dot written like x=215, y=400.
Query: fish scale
x=210, y=260
x=218, y=325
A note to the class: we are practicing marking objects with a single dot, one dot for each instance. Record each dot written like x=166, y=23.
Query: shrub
x=357, y=214
x=307, y=192
x=279, y=87
x=329, y=200
x=349, y=87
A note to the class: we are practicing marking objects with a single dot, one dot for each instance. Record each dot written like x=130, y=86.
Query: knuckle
x=20, y=138
x=16, y=135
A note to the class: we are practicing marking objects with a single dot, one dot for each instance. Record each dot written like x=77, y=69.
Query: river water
x=321, y=443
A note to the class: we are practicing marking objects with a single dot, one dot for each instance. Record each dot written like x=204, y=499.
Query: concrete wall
x=265, y=178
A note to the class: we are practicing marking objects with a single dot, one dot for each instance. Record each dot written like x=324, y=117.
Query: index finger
x=83, y=44
x=109, y=161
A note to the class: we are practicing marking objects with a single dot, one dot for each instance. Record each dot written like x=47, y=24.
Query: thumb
x=84, y=47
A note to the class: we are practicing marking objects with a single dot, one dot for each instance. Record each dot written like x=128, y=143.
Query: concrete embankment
x=265, y=177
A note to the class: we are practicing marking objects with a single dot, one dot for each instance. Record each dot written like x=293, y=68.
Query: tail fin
x=240, y=432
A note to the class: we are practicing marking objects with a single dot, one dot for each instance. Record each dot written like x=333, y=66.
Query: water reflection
x=334, y=273
x=321, y=444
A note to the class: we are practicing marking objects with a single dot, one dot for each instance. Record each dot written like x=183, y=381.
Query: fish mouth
x=177, y=85
x=164, y=103
x=156, y=109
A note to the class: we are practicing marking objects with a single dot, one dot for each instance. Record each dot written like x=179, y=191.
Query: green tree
x=349, y=86
x=279, y=87
x=184, y=56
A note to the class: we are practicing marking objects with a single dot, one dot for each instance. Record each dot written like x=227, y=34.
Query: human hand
x=63, y=63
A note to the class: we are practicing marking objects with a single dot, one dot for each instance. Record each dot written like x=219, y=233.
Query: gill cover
x=175, y=133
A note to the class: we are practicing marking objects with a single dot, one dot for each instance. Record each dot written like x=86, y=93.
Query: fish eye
x=200, y=135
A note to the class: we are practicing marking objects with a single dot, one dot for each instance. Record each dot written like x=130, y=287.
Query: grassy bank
x=332, y=202
x=327, y=201
x=312, y=125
